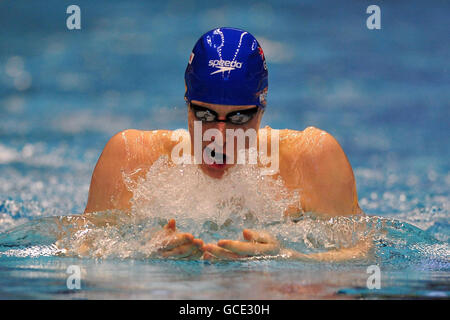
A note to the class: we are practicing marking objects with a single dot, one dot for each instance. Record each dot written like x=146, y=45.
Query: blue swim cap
x=227, y=66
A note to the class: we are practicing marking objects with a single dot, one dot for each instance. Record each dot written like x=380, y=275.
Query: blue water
x=383, y=94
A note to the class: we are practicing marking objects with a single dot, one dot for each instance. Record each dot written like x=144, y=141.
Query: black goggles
x=236, y=117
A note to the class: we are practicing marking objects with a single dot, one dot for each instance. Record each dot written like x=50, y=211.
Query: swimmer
x=226, y=88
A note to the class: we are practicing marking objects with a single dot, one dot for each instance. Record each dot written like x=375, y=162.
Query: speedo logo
x=224, y=65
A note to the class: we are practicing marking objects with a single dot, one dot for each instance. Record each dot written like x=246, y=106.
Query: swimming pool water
x=383, y=94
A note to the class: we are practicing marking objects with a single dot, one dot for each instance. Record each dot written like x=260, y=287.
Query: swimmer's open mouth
x=218, y=159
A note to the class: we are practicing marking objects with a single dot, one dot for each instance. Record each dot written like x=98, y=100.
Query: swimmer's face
x=216, y=170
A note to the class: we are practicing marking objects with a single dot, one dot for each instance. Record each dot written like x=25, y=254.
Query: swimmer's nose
x=222, y=127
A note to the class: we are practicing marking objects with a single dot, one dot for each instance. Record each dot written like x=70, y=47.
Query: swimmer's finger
x=212, y=258
x=198, y=242
x=171, y=225
x=176, y=240
x=180, y=252
x=196, y=254
x=208, y=256
x=249, y=248
x=218, y=252
x=259, y=236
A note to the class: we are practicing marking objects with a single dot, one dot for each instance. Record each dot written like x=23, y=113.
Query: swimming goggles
x=238, y=117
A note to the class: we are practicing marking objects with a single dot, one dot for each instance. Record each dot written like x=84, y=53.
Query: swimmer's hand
x=172, y=244
x=259, y=243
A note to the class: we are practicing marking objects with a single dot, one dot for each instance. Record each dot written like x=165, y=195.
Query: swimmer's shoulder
x=129, y=152
x=311, y=147
x=141, y=145
x=153, y=141
x=306, y=151
x=310, y=141
x=313, y=160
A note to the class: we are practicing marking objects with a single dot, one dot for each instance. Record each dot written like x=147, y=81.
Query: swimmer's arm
x=129, y=151
x=330, y=187
x=261, y=243
x=358, y=252
x=107, y=190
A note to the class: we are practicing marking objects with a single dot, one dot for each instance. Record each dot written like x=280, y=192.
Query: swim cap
x=227, y=66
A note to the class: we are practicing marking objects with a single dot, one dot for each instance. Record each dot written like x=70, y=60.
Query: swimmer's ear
x=170, y=225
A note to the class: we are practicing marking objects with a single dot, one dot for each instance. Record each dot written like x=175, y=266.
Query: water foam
x=214, y=209
x=209, y=208
x=185, y=193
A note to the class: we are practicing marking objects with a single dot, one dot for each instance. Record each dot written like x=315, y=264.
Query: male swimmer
x=226, y=86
